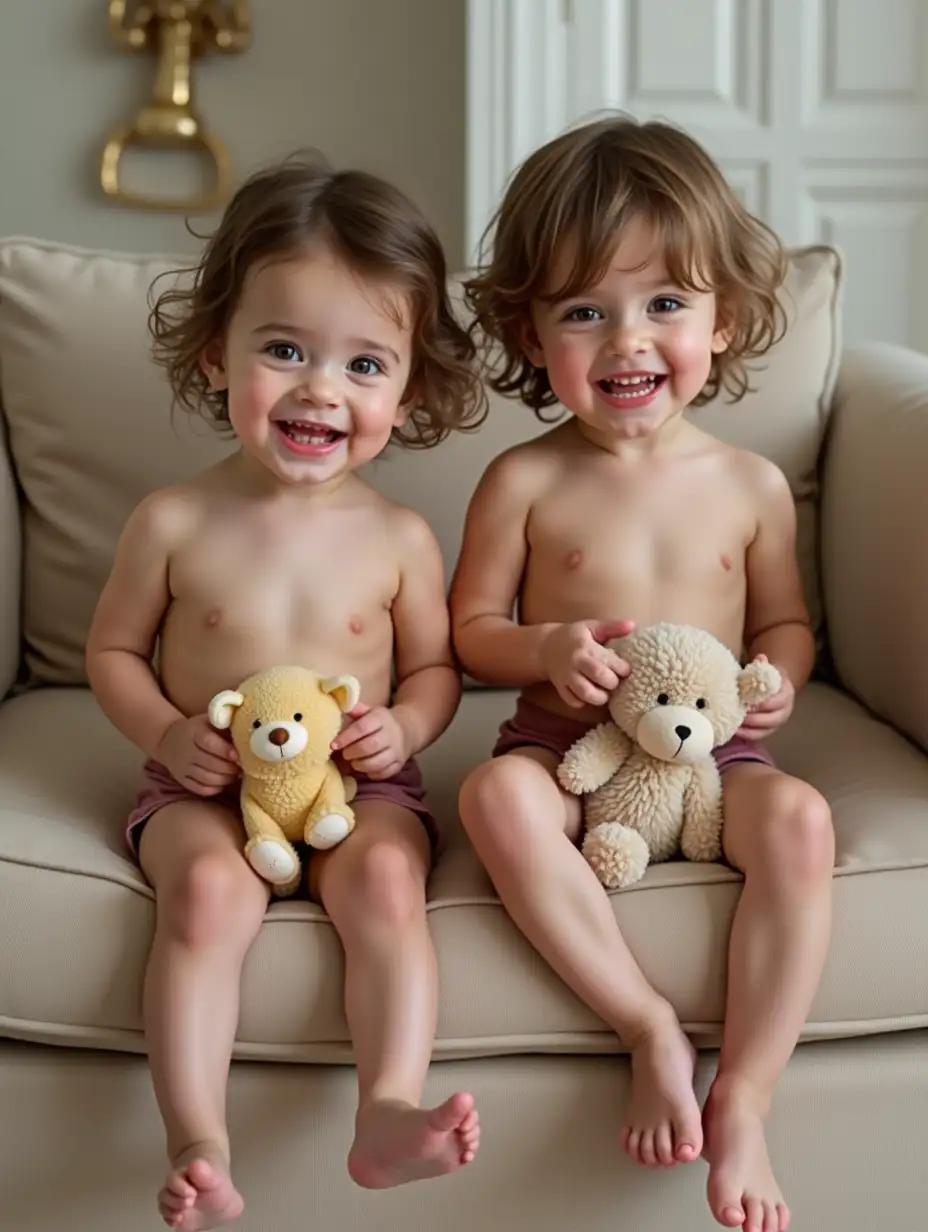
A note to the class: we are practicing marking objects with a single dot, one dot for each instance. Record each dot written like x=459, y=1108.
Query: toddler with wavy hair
x=316, y=329
x=625, y=281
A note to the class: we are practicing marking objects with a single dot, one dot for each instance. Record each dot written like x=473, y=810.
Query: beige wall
x=378, y=83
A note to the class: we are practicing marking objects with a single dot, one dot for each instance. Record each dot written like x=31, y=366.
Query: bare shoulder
x=528, y=469
x=763, y=478
x=408, y=531
x=166, y=517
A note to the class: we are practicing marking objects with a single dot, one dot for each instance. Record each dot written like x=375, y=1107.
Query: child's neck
x=256, y=481
x=666, y=438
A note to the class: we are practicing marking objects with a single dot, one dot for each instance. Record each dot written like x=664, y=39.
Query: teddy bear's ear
x=757, y=681
x=345, y=689
x=223, y=707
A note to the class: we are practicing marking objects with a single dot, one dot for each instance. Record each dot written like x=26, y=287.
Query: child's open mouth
x=632, y=388
x=309, y=438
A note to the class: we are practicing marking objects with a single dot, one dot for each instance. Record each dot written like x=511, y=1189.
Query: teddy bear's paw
x=330, y=830
x=702, y=848
x=272, y=861
x=290, y=887
x=617, y=855
x=569, y=776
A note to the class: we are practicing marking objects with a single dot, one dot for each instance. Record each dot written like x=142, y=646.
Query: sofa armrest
x=10, y=568
x=874, y=533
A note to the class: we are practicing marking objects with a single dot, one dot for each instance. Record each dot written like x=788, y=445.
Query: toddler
x=627, y=282
x=317, y=329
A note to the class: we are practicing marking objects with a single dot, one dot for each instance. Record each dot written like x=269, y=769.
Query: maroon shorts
x=159, y=787
x=534, y=727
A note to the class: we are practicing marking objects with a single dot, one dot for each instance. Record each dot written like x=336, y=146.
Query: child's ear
x=412, y=396
x=212, y=361
x=724, y=328
x=531, y=343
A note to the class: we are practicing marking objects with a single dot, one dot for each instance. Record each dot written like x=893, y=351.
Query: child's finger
x=615, y=663
x=606, y=630
x=370, y=746
x=367, y=725
x=214, y=764
x=214, y=743
x=383, y=766
x=598, y=673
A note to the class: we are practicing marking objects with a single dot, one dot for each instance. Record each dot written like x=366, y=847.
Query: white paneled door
x=817, y=111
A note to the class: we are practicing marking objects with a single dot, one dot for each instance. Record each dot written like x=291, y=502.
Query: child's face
x=315, y=368
x=627, y=355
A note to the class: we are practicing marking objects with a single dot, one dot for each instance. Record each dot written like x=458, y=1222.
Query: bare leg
x=778, y=832
x=373, y=887
x=522, y=827
x=209, y=908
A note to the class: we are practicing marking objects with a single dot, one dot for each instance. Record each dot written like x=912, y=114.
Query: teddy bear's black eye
x=662, y=699
x=297, y=718
x=256, y=724
x=700, y=703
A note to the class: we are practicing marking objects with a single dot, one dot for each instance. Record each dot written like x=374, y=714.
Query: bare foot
x=396, y=1142
x=662, y=1121
x=743, y=1192
x=199, y=1192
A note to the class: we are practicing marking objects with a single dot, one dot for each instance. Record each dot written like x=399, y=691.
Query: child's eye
x=584, y=314
x=286, y=352
x=665, y=304
x=365, y=365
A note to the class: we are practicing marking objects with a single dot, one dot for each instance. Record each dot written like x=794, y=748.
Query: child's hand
x=580, y=667
x=374, y=744
x=198, y=756
x=771, y=714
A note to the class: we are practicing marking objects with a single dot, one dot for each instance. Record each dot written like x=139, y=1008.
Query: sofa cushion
x=78, y=916
x=91, y=434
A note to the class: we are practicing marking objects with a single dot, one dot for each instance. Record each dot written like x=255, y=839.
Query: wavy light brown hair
x=376, y=230
x=584, y=188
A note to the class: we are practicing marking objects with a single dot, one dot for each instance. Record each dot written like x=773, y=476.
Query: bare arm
x=122, y=638
x=492, y=646
x=428, y=682
x=777, y=622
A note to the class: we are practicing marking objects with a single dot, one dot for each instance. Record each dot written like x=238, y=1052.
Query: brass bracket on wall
x=178, y=32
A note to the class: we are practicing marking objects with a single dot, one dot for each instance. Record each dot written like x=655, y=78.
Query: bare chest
x=287, y=586
x=606, y=540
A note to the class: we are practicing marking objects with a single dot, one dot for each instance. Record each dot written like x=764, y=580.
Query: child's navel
x=356, y=625
x=574, y=559
x=726, y=562
x=213, y=617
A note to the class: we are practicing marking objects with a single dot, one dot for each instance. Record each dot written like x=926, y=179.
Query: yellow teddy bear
x=283, y=721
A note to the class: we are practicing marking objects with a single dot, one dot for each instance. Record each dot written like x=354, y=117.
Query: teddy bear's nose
x=682, y=731
x=278, y=736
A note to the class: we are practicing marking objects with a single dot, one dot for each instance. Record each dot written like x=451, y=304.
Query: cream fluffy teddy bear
x=283, y=721
x=649, y=782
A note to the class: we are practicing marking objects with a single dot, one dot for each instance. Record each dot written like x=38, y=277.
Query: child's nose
x=629, y=338
x=319, y=389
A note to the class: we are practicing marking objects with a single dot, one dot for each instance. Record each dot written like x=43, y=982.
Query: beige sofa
x=86, y=433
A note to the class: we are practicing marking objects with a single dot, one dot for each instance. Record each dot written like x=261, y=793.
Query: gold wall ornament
x=178, y=32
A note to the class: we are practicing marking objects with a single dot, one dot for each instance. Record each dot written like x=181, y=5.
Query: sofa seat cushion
x=77, y=916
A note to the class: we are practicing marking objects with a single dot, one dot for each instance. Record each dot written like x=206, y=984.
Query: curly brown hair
x=379, y=234
x=585, y=187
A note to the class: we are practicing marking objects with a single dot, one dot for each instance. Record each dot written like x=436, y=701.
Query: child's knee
x=494, y=794
x=210, y=900
x=380, y=886
x=798, y=836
